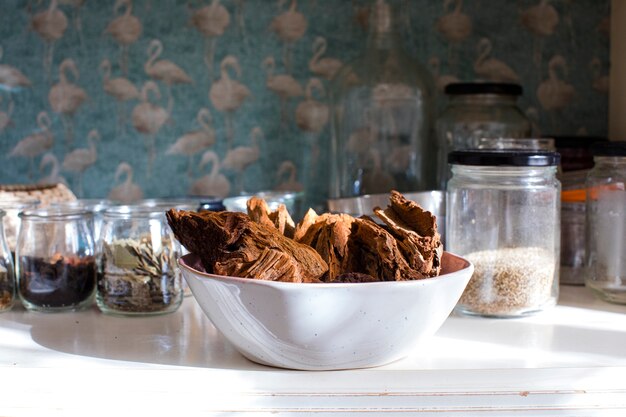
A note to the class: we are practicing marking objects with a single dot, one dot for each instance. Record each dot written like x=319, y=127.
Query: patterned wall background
x=165, y=98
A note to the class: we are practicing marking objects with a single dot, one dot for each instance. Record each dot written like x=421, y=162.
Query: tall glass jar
x=137, y=270
x=475, y=111
x=503, y=212
x=7, y=273
x=55, y=263
x=606, y=222
x=383, y=135
x=576, y=161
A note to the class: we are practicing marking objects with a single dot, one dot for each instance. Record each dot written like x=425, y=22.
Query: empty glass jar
x=7, y=273
x=606, y=222
x=137, y=270
x=55, y=263
x=475, y=111
x=382, y=115
x=503, y=212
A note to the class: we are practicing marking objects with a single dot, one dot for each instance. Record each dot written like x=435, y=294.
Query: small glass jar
x=137, y=270
x=7, y=273
x=475, y=111
x=13, y=206
x=576, y=161
x=55, y=262
x=503, y=212
x=606, y=222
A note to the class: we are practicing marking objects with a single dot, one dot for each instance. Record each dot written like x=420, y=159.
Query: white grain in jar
x=503, y=214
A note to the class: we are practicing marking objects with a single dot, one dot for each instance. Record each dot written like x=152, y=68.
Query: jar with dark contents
x=137, y=270
x=55, y=259
x=7, y=274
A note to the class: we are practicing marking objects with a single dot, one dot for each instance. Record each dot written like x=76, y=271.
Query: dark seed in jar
x=58, y=281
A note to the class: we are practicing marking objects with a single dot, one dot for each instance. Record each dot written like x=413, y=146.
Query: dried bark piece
x=328, y=234
x=307, y=221
x=259, y=211
x=373, y=251
x=416, y=232
x=230, y=243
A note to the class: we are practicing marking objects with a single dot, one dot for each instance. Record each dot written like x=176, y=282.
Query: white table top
x=570, y=360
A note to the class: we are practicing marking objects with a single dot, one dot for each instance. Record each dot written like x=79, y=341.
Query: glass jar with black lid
x=503, y=211
x=475, y=111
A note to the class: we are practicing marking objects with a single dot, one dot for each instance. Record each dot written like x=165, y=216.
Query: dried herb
x=136, y=278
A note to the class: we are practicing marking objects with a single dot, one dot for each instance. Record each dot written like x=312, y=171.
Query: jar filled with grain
x=503, y=215
x=606, y=222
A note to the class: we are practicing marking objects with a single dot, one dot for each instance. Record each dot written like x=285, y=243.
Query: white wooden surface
x=569, y=361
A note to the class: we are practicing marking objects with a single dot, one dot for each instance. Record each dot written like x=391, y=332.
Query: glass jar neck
x=610, y=161
x=383, y=32
x=496, y=174
x=483, y=100
x=55, y=215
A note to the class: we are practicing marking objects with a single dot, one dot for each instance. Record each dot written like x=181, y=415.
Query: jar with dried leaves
x=137, y=270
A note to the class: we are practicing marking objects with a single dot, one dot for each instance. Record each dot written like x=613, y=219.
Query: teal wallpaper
x=166, y=98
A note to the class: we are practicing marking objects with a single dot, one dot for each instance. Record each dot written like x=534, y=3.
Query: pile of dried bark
x=267, y=245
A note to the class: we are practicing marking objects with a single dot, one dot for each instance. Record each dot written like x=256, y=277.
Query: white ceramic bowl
x=327, y=326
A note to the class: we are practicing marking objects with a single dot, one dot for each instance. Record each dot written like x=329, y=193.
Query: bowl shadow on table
x=185, y=338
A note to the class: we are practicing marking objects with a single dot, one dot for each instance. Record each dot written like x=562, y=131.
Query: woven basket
x=46, y=193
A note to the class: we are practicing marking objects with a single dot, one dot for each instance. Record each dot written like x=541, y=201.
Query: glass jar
x=7, y=273
x=382, y=122
x=55, y=262
x=13, y=206
x=576, y=161
x=475, y=111
x=606, y=222
x=137, y=270
x=503, y=212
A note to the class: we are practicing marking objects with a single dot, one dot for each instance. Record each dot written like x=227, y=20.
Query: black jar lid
x=517, y=158
x=582, y=142
x=212, y=205
x=506, y=89
x=609, y=149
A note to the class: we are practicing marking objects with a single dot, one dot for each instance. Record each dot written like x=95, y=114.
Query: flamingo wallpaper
x=168, y=98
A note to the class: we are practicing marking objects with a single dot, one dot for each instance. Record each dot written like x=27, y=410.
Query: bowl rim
x=182, y=262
